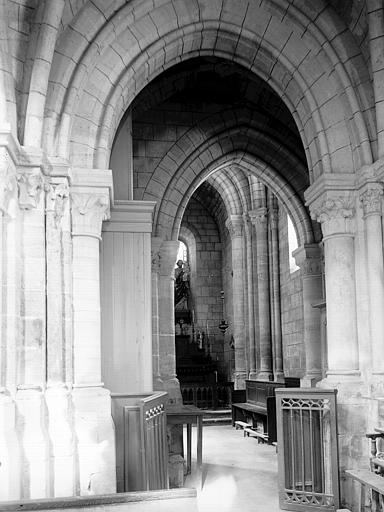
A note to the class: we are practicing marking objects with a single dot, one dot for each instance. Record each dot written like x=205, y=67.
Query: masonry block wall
x=208, y=280
x=291, y=307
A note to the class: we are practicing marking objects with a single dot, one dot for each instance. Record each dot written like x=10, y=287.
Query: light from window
x=182, y=253
x=292, y=245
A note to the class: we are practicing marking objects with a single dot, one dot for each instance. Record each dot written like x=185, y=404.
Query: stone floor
x=239, y=474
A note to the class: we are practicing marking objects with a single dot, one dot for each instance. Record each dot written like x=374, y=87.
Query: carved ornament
x=57, y=196
x=371, y=200
x=30, y=186
x=88, y=212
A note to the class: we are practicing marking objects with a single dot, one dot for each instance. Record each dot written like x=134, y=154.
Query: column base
x=310, y=380
x=239, y=379
x=335, y=377
x=158, y=384
x=34, y=443
x=10, y=475
x=61, y=438
x=265, y=376
x=95, y=435
x=279, y=377
x=172, y=387
x=353, y=423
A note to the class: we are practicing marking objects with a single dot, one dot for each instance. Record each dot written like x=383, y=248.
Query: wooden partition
x=141, y=441
x=307, y=449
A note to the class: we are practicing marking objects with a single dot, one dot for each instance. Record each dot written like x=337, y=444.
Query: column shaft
x=372, y=205
x=275, y=291
x=259, y=219
x=167, y=320
x=235, y=224
x=90, y=195
x=251, y=357
x=341, y=305
x=308, y=258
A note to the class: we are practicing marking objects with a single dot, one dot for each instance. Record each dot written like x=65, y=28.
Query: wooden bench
x=257, y=404
x=260, y=436
x=371, y=479
x=242, y=425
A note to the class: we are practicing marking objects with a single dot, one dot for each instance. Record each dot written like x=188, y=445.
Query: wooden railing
x=141, y=441
x=206, y=396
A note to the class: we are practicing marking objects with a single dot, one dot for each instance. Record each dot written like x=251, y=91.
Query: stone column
x=31, y=363
x=336, y=213
x=166, y=282
x=308, y=258
x=278, y=370
x=156, y=265
x=371, y=197
x=259, y=220
x=57, y=396
x=234, y=225
x=251, y=355
x=10, y=477
x=90, y=196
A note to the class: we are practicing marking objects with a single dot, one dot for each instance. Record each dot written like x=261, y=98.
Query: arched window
x=182, y=253
x=292, y=244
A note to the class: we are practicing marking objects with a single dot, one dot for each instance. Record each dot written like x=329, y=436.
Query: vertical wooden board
x=107, y=307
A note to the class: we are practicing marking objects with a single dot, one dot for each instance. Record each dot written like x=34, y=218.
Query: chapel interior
x=191, y=228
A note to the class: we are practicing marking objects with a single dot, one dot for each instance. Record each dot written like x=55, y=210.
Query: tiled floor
x=240, y=475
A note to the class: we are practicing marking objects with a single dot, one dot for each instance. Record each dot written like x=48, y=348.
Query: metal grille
x=307, y=441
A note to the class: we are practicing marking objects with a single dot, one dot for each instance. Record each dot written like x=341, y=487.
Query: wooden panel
x=141, y=441
x=308, y=451
x=126, y=311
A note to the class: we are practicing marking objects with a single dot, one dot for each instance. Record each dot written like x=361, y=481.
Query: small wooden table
x=179, y=414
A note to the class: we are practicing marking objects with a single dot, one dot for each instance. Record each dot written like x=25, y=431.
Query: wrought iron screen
x=307, y=449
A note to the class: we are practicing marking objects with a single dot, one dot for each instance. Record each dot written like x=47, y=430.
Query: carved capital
x=371, y=199
x=167, y=260
x=234, y=224
x=30, y=185
x=89, y=209
x=259, y=217
x=309, y=259
x=335, y=211
x=7, y=183
x=156, y=261
x=57, y=196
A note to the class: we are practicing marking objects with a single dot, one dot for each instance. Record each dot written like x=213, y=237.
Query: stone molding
x=234, y=224
x=131, y=217
x=89, y=209
x=259, y=216
x=309, y=258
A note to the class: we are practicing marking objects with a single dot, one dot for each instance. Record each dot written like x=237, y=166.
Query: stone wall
x=291, y=307
x=206, y=282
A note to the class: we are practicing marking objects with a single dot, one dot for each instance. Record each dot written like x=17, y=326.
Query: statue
x=182, y=283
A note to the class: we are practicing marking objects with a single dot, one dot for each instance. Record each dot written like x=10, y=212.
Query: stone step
x=217, y=417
